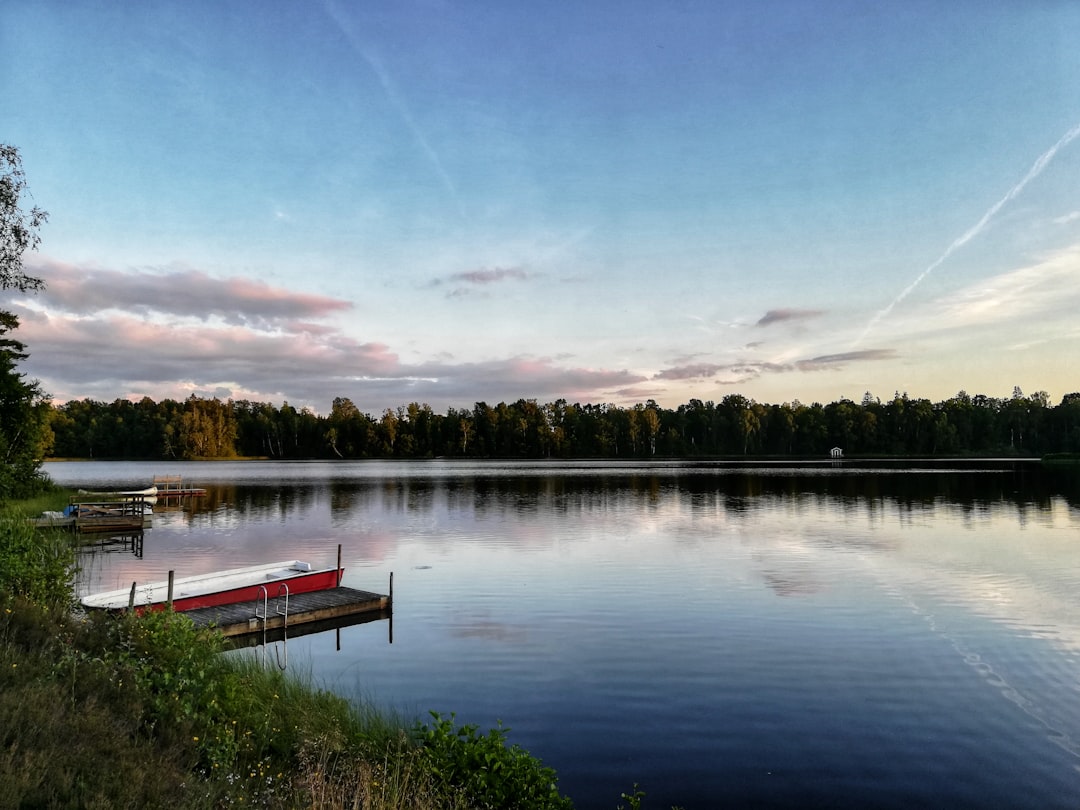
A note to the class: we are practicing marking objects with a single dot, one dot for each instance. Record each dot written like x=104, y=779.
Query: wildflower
x=196, y=739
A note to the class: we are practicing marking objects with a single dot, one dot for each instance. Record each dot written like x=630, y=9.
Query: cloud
x=187, y=293
x=490, y=276
x=1042, y=292
x=1067, y=218
x=467, y=281
x=781, y=315
x=743, y=371
x=833, y=361
x=268, y=349
x=1036, y=169
x=694, y=371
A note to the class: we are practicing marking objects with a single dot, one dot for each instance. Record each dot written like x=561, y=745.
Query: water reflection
x=128, y=542
x=760, y=635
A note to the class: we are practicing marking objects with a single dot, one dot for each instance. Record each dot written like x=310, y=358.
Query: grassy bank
x=105, y=711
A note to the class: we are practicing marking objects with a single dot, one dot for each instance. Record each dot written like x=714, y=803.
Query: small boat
x=222, y=587
x=149, y=492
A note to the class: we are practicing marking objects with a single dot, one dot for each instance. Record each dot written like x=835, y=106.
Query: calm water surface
x=757, y=636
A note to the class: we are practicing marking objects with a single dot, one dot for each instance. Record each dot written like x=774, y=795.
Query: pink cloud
x=119, y=355
x=185, y=293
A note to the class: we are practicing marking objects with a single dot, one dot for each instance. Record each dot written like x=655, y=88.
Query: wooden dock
x=328, y=606
x=173, y=487
x=126, y=515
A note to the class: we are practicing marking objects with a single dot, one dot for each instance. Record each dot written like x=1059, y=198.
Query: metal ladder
x=279, y=610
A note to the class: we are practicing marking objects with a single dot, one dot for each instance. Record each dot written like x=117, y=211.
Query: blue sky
x=603, y=201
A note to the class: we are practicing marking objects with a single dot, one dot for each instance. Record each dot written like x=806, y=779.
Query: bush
x=485, y=771
x=35, y=564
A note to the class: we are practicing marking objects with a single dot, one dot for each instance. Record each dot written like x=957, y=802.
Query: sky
x=605, y=202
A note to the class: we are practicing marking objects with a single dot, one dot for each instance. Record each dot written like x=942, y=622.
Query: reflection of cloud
x=789, y=584
x=781, y=315
x=493, y=631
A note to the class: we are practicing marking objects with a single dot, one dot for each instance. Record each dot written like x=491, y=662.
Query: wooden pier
x=328, y=606
x=172, y=487
x=126, y=515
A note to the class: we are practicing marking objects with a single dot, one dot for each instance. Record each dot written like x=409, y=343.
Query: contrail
x=395, y=99
x=977, y=228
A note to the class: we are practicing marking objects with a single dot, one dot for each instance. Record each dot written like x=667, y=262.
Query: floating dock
x=333, y=604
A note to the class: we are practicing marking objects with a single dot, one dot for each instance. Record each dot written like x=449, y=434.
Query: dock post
x=339, y=565
x=169, y=599
x=131, y=599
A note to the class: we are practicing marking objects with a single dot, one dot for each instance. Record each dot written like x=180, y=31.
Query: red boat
x=221, y=587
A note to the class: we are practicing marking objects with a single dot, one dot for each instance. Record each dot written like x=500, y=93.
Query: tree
x=24, y=420
x=24, y=410
x=18, y=228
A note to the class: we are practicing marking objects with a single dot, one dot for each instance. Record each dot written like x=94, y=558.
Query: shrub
x=486, y=771
x=35, y=564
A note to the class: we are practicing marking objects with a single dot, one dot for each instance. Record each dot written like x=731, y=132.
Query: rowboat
x=221, y=587
x=148, y=492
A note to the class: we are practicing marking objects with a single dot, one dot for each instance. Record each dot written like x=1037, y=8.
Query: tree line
x=736, y=426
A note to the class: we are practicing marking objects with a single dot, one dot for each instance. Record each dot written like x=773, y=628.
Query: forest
x=198, y=428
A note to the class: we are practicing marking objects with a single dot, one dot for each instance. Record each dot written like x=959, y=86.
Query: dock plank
x=240, y=618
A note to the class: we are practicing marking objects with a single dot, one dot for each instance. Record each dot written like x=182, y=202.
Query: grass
x=142, y=712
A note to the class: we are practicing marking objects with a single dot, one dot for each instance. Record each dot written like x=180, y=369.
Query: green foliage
x=71, y=727
x=24, y=410
x=635, y=799
x=734, y=426
x=18, y=228
x=485, y=770
x=34, y=564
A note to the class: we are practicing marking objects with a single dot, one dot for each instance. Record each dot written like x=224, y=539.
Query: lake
x=847, y=635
